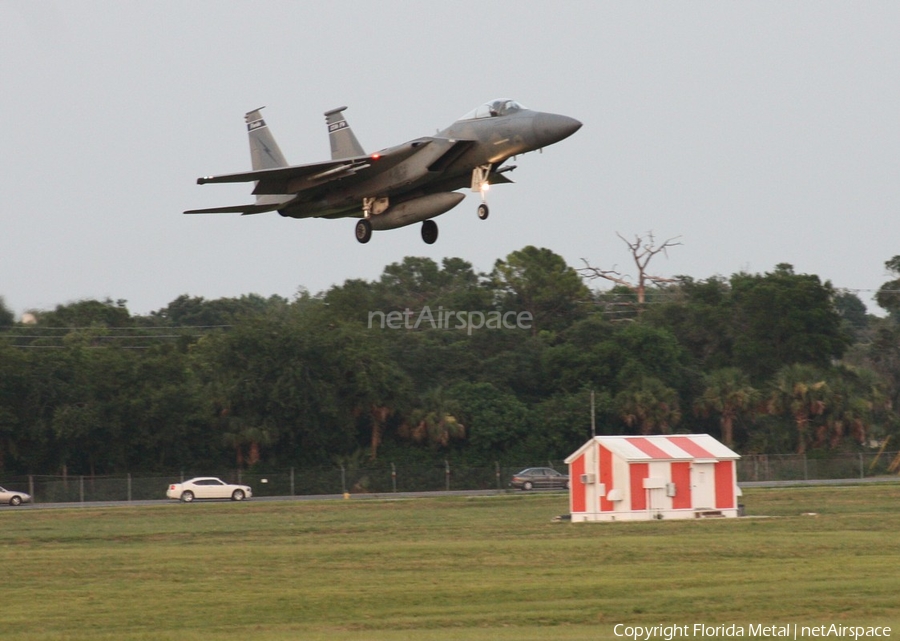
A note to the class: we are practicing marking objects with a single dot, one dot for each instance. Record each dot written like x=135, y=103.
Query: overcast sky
x=759, y=133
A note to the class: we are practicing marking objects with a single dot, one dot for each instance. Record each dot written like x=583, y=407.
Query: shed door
x=703, y=486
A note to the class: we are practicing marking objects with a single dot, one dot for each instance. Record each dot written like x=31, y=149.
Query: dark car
x=539, y=477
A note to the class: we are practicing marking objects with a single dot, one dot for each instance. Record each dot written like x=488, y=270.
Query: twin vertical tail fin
x=264, y=151
x=264, y=154
x=343, y=142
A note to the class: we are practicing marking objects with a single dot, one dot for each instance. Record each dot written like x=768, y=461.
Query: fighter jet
x=410, y=183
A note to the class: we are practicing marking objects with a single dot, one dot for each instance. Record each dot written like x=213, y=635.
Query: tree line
x=770, y=363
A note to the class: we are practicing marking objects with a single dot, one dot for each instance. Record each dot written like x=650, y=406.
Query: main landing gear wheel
x=429, y=232
x=364, y=231
x=483, y=211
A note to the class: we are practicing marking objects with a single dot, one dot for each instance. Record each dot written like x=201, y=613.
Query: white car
x=14, y=498
x=208, y=487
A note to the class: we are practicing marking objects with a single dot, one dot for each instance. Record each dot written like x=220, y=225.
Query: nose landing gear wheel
x=429, y=232
x=483, y=211
x=363, y=231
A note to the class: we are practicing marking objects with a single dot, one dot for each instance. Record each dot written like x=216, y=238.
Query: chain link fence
x=292, y=482
x=794, y=467
x=387, y=479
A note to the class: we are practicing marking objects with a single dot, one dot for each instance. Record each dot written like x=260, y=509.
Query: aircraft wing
x=298, y=178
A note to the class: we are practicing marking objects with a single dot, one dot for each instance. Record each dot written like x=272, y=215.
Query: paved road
x=413, y=495
x=304, y=497
x=800, y=483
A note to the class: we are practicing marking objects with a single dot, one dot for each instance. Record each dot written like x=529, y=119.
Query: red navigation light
x=376, y=156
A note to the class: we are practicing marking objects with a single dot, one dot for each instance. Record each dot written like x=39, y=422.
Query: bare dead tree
x=643, y=249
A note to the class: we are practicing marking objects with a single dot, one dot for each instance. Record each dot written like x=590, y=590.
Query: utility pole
x=593, y=421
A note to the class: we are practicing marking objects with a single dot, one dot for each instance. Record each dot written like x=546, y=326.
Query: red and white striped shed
x=618, y=478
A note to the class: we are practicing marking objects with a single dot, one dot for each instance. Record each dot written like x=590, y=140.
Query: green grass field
x=442, y=568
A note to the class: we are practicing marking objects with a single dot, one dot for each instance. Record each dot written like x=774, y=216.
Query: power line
x=118, y=337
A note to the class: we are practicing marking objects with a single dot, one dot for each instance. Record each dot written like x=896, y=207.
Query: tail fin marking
x=343, y=141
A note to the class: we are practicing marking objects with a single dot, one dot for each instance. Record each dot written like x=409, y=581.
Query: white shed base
x=652, y=515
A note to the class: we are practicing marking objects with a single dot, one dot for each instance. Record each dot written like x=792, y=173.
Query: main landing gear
x=429, y=232
x=372, y=206
x=364, y=230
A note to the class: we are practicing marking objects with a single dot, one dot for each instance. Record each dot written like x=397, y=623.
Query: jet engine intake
x=416, y=210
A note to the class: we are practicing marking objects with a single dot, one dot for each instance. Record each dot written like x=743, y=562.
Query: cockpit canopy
x=494, y=108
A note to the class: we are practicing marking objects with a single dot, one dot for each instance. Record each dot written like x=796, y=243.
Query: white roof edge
x=574, y=455
x=712, y=445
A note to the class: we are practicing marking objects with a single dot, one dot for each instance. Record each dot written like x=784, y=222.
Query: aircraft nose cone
x=551, y=128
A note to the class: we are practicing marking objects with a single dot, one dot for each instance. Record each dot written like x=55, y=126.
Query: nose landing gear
x=481, y=185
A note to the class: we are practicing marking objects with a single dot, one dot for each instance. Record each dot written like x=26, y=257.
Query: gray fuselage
x=441, y=164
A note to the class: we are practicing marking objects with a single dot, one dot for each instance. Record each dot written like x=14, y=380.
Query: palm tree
x=801, y=392
x=729, y=394
x=857, y=398
x=240, y=433
x=872, y=389
x=650, y=404
x=379, y=415
x=434, y=421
